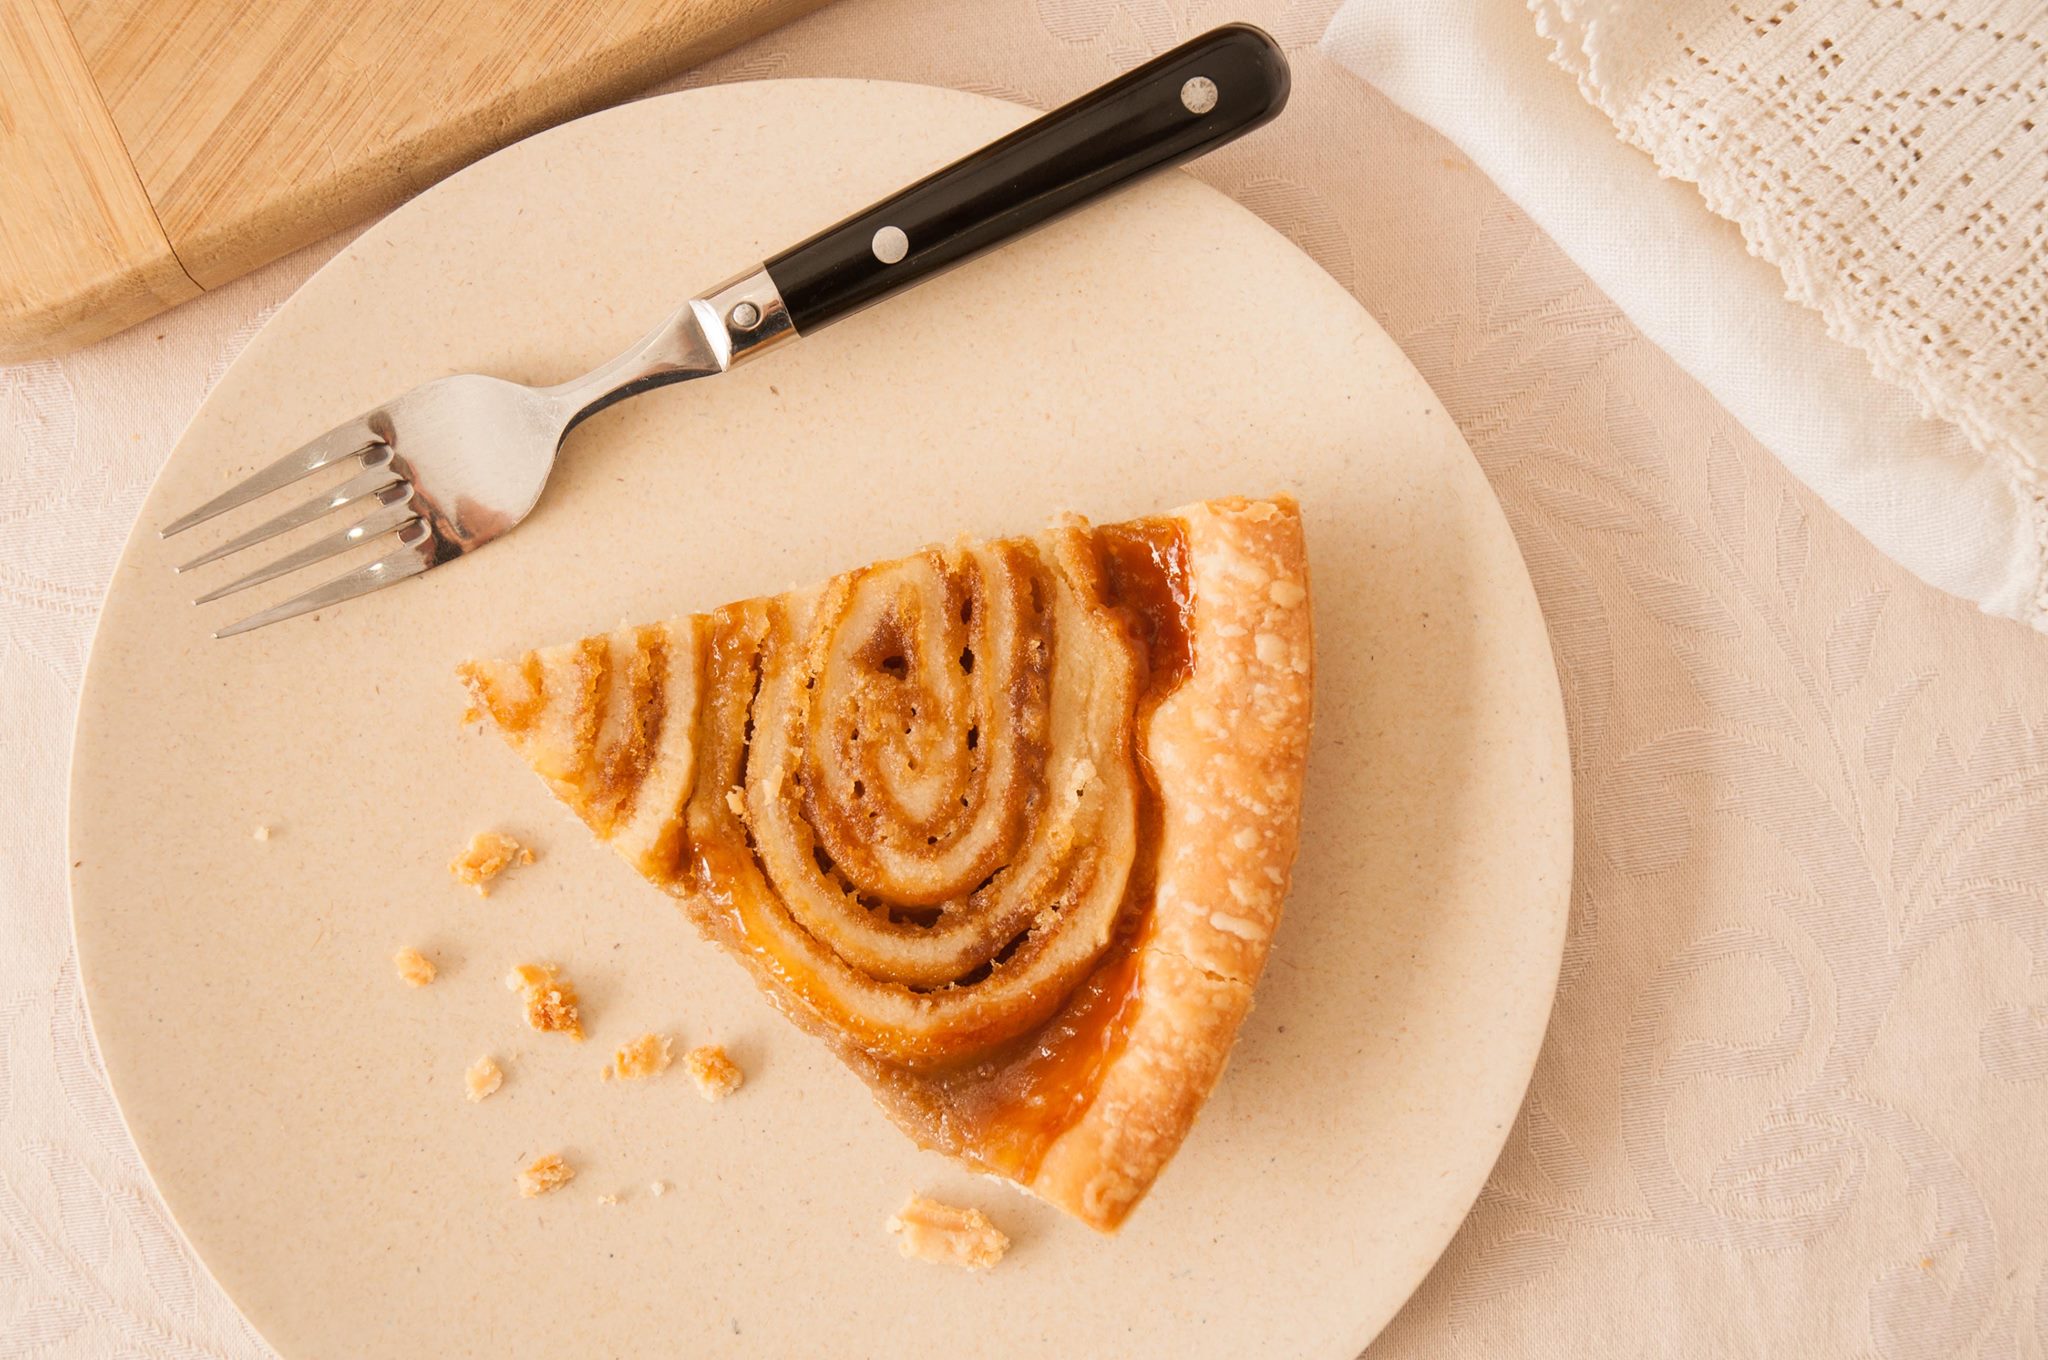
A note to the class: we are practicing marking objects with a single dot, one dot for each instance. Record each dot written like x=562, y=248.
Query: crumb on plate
x=607, y=1199
x=483, y=1077
x=414, y=967
x=717, y=1075
x=545, y=1174
x=551, y=1002
x=658, y=1189
x=941, y=1233
x=638, y=1059
x=489, y=854
x=261, y=833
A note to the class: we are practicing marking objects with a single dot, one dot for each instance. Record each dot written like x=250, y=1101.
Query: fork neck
x=740, y=319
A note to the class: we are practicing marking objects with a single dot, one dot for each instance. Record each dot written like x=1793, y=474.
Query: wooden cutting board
x=151, y=149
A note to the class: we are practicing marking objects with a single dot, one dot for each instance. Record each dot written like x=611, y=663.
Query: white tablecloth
x=1795, y=1097
x=1951, y=511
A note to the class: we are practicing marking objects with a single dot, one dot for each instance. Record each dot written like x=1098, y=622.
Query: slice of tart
x=1008, y=824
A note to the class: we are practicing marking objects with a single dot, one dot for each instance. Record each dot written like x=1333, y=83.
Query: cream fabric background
x=1795, y=1096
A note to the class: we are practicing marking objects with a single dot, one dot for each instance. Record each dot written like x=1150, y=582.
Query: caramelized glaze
x=998, y=1082
x=1145, y=570
x=1008, y=1114
x=1002, y=1107
x=916, y=802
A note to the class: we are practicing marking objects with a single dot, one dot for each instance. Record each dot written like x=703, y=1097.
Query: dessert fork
x=457, y=462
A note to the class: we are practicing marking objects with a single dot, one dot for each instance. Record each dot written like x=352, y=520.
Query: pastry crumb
x=641, y=1058
x=607, y=1199
x=658, y=1189
x=930, y=1231
x=414, y=967
x=551, y=1001
x=736, y=800
x=483, y=1077
x=545, y=1174
x=261, y=833
x=717, y=1075
x=490, y=853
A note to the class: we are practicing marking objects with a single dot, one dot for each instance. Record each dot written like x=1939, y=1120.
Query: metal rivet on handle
x=890, y=245
x=1198, y=95
x=745, y=317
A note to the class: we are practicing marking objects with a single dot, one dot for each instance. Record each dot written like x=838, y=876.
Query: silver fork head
x=444, y=469
x=459, y=461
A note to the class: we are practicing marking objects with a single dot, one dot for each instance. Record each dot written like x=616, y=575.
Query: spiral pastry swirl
x=940, y=795
x=915, y=800
x=1009, y=824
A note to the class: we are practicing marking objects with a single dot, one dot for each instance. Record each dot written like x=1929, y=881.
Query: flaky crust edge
x=1229, y=748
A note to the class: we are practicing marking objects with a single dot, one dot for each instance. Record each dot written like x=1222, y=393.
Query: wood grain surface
x=151, y=148
x=79, y=242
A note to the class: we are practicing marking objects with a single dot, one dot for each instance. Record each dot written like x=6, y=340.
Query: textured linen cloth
x=1887, y=165
x=1794, y=1099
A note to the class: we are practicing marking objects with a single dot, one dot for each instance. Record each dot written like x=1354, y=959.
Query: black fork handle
x=1208, y=91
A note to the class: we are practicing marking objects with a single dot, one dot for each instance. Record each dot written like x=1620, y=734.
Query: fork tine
x=415, y=554
x=377, y=476
x=343, y=441
x=394, y=511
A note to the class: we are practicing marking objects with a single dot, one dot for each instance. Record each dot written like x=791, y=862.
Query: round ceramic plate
x=303, y=1112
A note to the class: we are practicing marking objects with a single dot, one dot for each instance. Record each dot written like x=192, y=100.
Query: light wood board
x=302, y=1111
x=153, y=148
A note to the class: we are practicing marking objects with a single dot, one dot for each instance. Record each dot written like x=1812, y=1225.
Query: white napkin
x=1479, y=72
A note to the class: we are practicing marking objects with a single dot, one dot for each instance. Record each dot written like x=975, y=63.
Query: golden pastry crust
x=483, y=1078
x=928, y=1230
x=488, y=854
x=552, y=1006
x=1229, y=748
x=414, y=968
x=712, y=1068
x=1007, y=824
x=545, y=1175
x=644, y=1057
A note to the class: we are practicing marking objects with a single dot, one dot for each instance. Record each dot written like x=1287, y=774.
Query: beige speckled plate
x=303, y=1112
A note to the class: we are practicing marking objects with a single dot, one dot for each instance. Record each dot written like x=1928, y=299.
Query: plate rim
x=94, y=677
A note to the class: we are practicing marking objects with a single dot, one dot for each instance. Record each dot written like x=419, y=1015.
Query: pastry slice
x=1007, y=824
